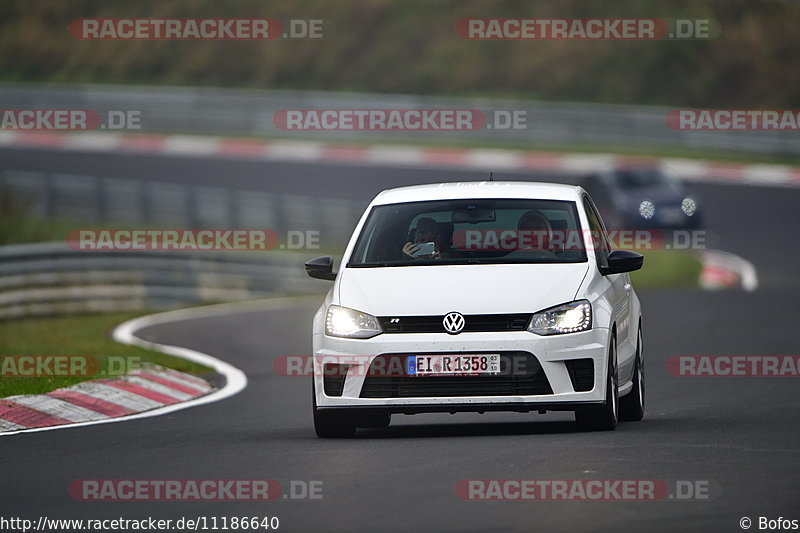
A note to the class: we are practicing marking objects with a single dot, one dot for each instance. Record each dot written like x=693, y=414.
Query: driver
x=429, y=231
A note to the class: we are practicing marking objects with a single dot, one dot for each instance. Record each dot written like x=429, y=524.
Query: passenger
x=534, y=232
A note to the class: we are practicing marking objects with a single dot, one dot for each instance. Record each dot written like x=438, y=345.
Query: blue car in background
x=643, y=197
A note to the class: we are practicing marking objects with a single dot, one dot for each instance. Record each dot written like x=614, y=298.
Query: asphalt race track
x=740, y=435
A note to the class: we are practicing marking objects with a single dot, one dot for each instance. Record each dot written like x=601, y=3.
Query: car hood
x=660, y=196
x=468, y=289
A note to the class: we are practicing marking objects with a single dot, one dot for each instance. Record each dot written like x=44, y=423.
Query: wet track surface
x=739, y=434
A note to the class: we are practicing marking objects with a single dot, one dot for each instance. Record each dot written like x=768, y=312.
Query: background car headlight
x=688, y=206
x=566, y=318
x=647, y=209
x=344, y=322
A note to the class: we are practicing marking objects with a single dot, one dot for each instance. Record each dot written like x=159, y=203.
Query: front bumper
x=552, y=353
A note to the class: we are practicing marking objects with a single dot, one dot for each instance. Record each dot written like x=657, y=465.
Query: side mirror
x=321, y=268
x=620, y=261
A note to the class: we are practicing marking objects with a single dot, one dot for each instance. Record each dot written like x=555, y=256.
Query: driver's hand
x=409, y=248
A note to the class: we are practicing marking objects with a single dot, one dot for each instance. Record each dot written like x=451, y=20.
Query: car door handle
x=627, y=286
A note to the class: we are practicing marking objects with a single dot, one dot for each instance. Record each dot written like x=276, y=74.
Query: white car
x=482, y=296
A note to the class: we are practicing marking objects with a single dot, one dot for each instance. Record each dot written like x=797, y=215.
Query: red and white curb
x=141, y=390
x=723, y=270
x=143, y=393
x=498, y=160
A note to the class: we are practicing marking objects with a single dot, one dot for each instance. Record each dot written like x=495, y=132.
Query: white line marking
x=236, y=380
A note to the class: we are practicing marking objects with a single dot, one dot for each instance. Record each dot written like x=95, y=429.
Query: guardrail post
x=233, y=218
x=192, y=209
x=279, y=209
x=145, y=202
x=49, y=196
x=101, y=200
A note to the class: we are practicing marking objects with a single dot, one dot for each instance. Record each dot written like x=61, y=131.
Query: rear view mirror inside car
x=473, y=216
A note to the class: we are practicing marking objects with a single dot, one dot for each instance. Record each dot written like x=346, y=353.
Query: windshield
x=641, y=178
x=470, y=231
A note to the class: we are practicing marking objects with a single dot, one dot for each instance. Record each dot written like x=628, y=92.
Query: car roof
x=479, y=189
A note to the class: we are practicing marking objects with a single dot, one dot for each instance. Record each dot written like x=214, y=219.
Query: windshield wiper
x=367, y=265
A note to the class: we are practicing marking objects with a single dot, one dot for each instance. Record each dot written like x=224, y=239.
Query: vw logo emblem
x=453, y=323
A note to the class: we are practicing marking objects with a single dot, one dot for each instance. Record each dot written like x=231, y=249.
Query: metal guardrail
x=52, y=279
x=250, y=112
x=107, y=200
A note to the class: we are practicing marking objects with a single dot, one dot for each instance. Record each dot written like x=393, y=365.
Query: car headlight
x=344, y=322
x=566, y=318
x=647, y=209
x=688, y=206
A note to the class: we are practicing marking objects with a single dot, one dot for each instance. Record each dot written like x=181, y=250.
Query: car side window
x=599, y=237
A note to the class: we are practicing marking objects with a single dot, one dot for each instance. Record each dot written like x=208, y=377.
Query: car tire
x=334, y=423
x=631, y=406
x=603, y=417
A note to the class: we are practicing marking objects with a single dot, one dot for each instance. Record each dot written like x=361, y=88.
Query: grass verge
x=667, y=268
x=84, y=335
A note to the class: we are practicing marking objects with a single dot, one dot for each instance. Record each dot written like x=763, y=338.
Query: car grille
x=472, y=323
x=520, y=375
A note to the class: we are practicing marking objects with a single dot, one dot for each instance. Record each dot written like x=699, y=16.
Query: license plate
x=453, y=365
x=672, y=216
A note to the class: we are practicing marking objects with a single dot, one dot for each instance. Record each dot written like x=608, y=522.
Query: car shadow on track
x=470, y=429
x=644, y=429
